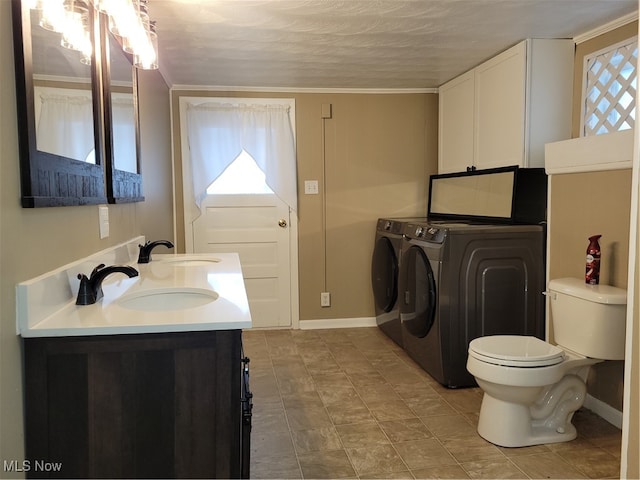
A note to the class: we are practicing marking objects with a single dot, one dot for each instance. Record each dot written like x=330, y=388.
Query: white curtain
x=217, y=133
x=124, y=134
x=65, y=126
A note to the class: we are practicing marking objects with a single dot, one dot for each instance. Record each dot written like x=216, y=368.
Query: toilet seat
x=515, y=351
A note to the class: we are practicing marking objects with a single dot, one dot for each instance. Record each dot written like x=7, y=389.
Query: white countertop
x=108, y=316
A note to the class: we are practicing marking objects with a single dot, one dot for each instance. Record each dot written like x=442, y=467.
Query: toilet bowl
x=532, y=388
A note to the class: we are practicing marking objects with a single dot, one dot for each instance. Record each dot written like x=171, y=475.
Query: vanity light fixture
x=128, y=21
x=146, y=58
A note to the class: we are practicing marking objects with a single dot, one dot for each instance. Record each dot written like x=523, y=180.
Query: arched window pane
x=242, y=176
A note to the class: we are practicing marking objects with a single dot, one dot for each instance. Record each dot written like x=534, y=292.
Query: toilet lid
x=515, y=351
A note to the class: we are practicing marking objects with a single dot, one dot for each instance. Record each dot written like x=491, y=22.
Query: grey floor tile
x=547, y=466
x=316, y=440
x=266, y=444
x=492, y=469
x=334, y=464
x=350, y=403
x=471, y=448
x=440, y=471
x=269, y=417
x=352, y=412
x=376, y=459
x=275, y=467
x=593, y=461
x=361, y=435
x=424, y=453
x=405, y=430
x=448, y=426
x=307, y=417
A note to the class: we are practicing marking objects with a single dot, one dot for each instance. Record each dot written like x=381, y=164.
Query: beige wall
x=592, y=203
x=155, y=214
x=587, y=204
x=632, y=464
x=633, y=440
x=583, y=205
x=34, y=241
x=379, y=152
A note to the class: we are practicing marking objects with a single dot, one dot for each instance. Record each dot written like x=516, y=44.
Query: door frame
x=187, y=188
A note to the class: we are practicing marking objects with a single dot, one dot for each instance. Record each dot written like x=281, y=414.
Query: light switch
x=103, y=218
x=311, y=187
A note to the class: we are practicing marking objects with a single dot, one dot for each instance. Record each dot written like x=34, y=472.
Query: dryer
x=460, y=281
x=385, y=265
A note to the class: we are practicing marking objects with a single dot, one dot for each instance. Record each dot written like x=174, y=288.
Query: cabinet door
x=455, y=143
x=500, y=86
x=163, y=405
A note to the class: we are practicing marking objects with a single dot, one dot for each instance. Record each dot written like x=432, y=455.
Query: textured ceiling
x=379, y=44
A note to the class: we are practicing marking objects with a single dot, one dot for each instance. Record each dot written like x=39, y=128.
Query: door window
x=242, y=176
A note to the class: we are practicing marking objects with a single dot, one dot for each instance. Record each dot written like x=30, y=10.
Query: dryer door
x=384, y=274
x=418, y=292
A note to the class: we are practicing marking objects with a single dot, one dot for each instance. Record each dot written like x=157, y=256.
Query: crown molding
x=607, y=27
x=383, y=91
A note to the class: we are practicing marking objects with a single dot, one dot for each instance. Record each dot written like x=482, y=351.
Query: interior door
x=257, y=227
x=242, y=214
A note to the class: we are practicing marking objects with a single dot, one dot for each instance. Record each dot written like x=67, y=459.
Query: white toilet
x=532, y=388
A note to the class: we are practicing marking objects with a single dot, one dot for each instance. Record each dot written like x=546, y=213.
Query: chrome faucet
x=90, y=290
x=145, y=250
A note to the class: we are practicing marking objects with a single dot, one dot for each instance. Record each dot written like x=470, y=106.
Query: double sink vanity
x=148, y=381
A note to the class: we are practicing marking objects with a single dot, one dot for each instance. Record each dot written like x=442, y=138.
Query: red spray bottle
x=592, y=275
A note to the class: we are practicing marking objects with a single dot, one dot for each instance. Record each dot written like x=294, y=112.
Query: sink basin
x=189, y=261
x=167, y=299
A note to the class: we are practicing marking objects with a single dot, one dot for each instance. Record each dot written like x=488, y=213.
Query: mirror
x=59, y=116
x=124, y=181
x=63, y=97
x=122, y=105
x=77, y=114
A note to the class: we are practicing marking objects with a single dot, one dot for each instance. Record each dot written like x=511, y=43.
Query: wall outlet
x=325, y=299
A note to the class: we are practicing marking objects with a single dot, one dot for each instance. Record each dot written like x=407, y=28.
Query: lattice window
x=609, y=89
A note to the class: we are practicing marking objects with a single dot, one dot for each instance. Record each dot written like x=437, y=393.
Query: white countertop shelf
x=46, y=305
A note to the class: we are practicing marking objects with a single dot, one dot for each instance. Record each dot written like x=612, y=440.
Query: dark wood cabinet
x=137, y=406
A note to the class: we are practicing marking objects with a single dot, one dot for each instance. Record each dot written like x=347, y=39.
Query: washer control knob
x=419, y=231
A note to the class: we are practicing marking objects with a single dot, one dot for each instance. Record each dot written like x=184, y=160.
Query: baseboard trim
x=603, y=410
x=337, y=323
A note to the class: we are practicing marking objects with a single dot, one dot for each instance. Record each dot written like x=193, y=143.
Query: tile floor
x=349, y=403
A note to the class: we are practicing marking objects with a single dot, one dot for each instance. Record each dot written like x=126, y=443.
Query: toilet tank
x=589, y=319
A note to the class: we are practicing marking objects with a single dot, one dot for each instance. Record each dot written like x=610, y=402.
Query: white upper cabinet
x=456, y=119
x=502, y=112
x=500, y=109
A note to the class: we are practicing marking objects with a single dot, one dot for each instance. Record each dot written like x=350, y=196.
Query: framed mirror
x=77, y=110
x=60, y=122
x=122, y=151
